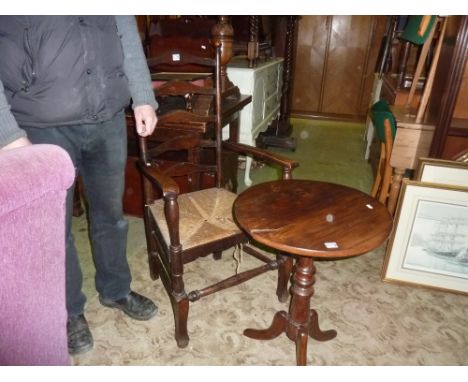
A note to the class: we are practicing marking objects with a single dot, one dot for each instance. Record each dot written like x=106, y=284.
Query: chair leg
x=179, y=298
x=180, y=307
x=154, y=265
x=153, y=261
x=386, y=182
x=284, y=274
x=378, y=175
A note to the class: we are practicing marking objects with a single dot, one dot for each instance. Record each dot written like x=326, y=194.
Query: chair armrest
x=264, y=155
x=165, y=183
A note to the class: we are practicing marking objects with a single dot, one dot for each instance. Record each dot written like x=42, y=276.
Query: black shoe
x=134, y=305
x=79, y=336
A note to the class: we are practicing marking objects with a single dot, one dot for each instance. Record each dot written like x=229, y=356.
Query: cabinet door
x=311, y=50
x=335, y=62
x=349, y=39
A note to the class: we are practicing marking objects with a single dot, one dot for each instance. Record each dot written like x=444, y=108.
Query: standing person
x=68, y=80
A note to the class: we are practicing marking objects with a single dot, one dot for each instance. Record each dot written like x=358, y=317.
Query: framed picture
x=442, y=171
x=429, y=243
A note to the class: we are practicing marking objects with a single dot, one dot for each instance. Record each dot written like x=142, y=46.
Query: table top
x=311, y=218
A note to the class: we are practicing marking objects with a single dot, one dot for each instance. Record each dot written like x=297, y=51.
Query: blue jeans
x=99, y=154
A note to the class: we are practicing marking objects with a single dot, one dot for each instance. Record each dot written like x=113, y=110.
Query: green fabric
x=380, y=111
x=410, y=32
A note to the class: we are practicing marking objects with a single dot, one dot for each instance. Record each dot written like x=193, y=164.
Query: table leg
x=395, y=189
x=314, y=330
x=301, y=321
x=284, y=275
x=278, y=326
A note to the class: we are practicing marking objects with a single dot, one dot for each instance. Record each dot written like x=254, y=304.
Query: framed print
x=442, y=171
x=429, y=244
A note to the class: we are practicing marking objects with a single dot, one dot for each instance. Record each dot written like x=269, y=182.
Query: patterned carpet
x=377, y=323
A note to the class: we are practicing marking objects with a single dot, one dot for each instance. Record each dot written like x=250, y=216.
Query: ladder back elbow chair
x=181, y=227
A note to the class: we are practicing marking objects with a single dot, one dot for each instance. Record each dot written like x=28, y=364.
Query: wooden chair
x=183, y=227
x=421, y=31
x=385, y=125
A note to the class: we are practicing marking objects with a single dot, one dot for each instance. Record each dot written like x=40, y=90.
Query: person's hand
x=20, y=142
x=145, y=119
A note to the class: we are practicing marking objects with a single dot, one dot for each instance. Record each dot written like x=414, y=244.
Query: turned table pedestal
x=309, y=220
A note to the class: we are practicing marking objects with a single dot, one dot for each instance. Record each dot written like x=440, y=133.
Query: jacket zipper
x=30, y=78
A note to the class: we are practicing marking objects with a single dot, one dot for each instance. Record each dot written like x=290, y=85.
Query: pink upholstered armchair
x=33, y=184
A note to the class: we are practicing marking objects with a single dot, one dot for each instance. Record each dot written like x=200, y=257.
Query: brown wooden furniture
x=183, y=227
x=383, y=178
x=310, y=220
x=192, y=35
x=334, y=62
x=446, y=112
x=133, y=200
x=451, y=85
x=441, y=129
x=412, y=141
x=426, y=28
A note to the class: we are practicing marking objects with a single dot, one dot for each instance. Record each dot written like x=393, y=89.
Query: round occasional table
x=310, y=220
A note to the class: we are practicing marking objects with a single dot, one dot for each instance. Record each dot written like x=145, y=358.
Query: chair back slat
x=182, y=142
x=187, y=140
x=183, y=116
x=179, y=58
x=186, y=168
x=177, y=87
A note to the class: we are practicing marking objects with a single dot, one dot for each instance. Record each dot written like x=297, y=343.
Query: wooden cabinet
x=450, y=91
x=264, y=84
x=334, y=65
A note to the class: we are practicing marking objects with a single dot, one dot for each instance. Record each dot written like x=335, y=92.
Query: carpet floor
x=377, y=323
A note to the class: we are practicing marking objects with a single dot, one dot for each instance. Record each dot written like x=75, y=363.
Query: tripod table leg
x=278, y=326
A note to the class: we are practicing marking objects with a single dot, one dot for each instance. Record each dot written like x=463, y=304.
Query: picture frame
x=441, y=171
x=428, y=246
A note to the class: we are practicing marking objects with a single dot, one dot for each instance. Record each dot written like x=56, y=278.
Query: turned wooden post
x=223, y=34
x=288, y=72
x=395, y=190
x=253, y=45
